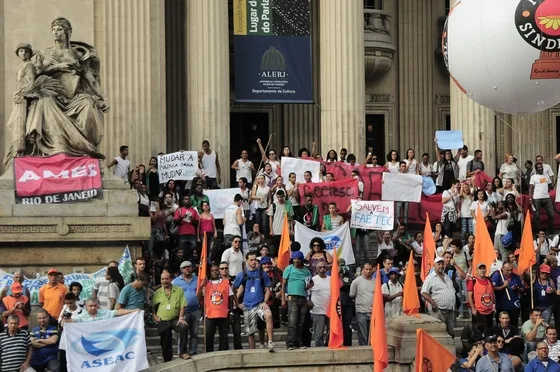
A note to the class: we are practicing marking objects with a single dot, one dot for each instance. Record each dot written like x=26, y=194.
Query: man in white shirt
x=439, y=292
x=211, y=166
x=319, y=297
x=362, y=290
x=539, y=186
x=244, y=168
x=121, y=163
x=551, y=341
x=393, y=294
x=462, y=159
x=547, y=169
x=234, y=256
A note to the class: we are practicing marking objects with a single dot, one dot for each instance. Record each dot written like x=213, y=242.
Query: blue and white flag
x=117, y=344
x=338, y=238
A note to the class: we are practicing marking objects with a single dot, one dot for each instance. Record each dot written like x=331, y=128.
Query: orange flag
x=284, y=249
x=203, y=262
x=483, y=245
x=429, y=252
x=411, y=302
x=377, y=333
x=334, y=311
x=527, y=256
x=430, y=354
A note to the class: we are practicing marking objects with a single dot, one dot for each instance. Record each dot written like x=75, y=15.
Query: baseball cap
x=52, y=271
x=491, y=338
x=438, y=259
x=17, y=288
x=482, y=264
x=298, y=255
x=185, y=264
x=545, y=268
x=394, y=270
x=265, y=260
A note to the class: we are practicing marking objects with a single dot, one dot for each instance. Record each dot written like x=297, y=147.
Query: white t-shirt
x=293, y=199
x=231, y=227
x=245, y=194
x=418, y=249
x=451, y=203
x=262, y=192
x=462, y=164
x=320, y=294
x=393, y=168
x=466, y=207
x=384, y=247
x=540, y=183
x=277, y=214
x=234, y=259
x=244, y=170
x=412, y=165
x=209, y=164
x=502, y=225
x=122, y=167
x=484, y=208
x=426, y=170
x=546, y=169
x=545, y=247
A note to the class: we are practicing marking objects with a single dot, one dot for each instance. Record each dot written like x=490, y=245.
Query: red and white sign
x=56, y=179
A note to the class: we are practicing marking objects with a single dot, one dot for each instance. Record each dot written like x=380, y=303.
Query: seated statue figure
x=58, y=103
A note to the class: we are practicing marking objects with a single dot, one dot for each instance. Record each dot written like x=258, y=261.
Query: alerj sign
x=273, y=51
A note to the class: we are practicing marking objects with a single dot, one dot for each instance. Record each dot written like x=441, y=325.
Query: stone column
x=342, y=97
x=208, y=107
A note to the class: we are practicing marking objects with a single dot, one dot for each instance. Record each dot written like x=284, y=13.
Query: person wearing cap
x=188, y=283
x=7, y=290
x=17, y=304
x=361, y=290
x=544, y=290
x=296, y=281
x=439, y=292
x=393, y=294
x=493, y=361
x=481, y=297
x=543, y=362
x=51, y=296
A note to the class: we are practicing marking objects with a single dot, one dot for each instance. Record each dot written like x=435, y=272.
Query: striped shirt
x=13, y=350
x=440, y=290
x=102, y=287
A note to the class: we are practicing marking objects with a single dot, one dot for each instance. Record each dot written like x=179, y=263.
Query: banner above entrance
x=273, y=51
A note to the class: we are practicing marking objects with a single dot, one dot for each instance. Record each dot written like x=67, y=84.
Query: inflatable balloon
x=505, y=54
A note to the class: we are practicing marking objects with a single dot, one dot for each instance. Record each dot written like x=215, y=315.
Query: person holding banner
x=233, y=219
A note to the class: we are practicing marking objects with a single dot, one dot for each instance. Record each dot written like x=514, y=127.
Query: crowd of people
x=247, y=292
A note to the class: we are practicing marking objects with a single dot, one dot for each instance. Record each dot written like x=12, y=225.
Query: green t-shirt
x=528, y=327
x=168, y=308
x=132, y=298
x=297, y=280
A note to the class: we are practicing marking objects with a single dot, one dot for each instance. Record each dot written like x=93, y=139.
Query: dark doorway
x=447, y=122
x=375, y=135
x=245, y=128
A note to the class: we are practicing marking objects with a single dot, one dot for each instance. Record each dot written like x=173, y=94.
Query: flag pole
x=265, y=150
x=503, y=280
x=532, y=294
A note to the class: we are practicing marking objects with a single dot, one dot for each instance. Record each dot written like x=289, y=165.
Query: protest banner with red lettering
x=56, y=179
x=339, y=192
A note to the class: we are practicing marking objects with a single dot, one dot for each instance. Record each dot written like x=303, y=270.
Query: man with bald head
x=7, y=290
x=169, y=310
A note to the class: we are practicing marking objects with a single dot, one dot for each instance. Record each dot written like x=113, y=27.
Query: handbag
x=507, y=239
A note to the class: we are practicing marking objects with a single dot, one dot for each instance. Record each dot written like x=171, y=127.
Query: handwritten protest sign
x=449, y=139
x=220, y=199
x=299, y=167
x=178, y=166
x=401, y=187
x=372, y=215
x=339, y=192
x=86, y=280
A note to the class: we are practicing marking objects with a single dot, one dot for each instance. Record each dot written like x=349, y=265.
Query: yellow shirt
x=169, y=307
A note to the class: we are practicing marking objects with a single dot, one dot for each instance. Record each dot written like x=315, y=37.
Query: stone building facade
x=167, y=68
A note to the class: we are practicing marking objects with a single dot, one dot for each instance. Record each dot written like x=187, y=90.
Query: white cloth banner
x=220, y=199
x=339, y=238
x=86, y=280
x=180, y=165
x=401, y=187
x=117, y=344
x=372, y=215
x=299, y=167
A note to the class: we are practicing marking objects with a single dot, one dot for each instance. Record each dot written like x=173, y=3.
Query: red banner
x=56, y=179
x=339, y=192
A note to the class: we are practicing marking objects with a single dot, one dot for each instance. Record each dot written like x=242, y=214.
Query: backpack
x=246, y=278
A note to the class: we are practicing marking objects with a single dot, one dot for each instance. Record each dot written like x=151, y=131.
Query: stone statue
x=58, y=103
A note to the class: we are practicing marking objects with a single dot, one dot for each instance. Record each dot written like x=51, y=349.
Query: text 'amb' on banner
x=273, y=51
x=178, y=166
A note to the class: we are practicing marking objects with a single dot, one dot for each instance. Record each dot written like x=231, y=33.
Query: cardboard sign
x=372, y=215
x=220, y=199
x=299, y=167
x=449, y=139
x=178, y=166
x=401, y=187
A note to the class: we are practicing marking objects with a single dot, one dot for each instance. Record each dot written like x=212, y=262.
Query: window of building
x=373, y=4
x=375, y=135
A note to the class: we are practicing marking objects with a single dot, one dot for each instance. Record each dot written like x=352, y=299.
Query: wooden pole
x=265, y=150
x=532, y=294
x=503, y=280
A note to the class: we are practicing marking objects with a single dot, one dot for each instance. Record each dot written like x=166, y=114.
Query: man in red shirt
x=481, y=297
x=187, y=218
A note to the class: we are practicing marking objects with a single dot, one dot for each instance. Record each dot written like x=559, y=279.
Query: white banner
x=86, y=280
x=299, y=167
x=401, y=187
x=339, y=238
x=220, y=199
x=180, y=165
x=117, y=344
x=372, y=215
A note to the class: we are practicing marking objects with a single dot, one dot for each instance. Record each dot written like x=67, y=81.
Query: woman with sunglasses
x=269, y=158
x=317, y=254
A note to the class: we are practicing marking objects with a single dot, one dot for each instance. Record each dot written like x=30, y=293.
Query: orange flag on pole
x=429, y=251
x=527, y=256
x=483, y=245
x=377, y=333
x=203, y=262
x=430, y=354
x=334, y=311
x=284, y=249
x=411, y=302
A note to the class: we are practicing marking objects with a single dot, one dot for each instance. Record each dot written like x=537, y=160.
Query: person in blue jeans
x=296, y=280
x=188, y=282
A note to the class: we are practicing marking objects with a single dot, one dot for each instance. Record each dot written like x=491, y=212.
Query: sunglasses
x=237, y=241
x=316, y=245
x=224, y=268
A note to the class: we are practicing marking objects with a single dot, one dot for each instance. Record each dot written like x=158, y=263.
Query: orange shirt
x=216, y=299
x=10, y=301
x=52, y=298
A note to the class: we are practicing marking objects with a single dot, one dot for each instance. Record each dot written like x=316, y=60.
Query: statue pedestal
x=401, y=334
x=73, y=237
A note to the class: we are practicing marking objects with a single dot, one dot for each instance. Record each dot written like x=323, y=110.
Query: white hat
x=438, y=259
